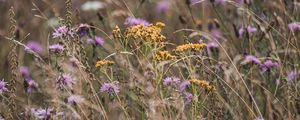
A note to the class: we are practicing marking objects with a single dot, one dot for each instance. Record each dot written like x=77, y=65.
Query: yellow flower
x=151, y=33
x=203, y=84
x=102, y=63
x=163, y=55
x=191, y=46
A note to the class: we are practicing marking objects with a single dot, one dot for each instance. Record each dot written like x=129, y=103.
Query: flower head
x=102, y=63
x=250, y=29
x=204, y=84
x=98, y=41
x=293, y=75
x=294, y=26
x=31, y=85
x=110, y=88
x=251, y=59
x=3, y=86
x=24, y=70
x=188, y=97
x=63, y=31
x=268, y=65
x=35, y=46
x=190, y=46
x=170, y=80
x=163, y=6
x=149, y=33
x=136, y=21
x=83, y=30
x=56, y=48
x=43, y=113
x=163, y=56
x=65, y=80
x=75, y=99
x=184, y=85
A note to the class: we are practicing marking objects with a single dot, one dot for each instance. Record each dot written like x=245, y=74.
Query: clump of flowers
x=163, y=56
x=203, y=84
x=3, y=86
x=151, y=33
x=136, y=21
x=102, y=63
x=171, y=80
x=43, y=113
x=190, y=46
x=63, y=31
x=268, y=65
x=65, y=80
x=110, y=88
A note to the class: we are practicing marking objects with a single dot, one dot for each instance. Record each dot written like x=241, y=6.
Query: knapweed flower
x=110, y=88
x=293, y=75
x=65, y=80
x=3, y=86
x=204, y=84
x=102, y=63
x=75, y=99
x=190, y=46
x=188, y=97
x=163, y=56
x=294, y=26
x=83, y=30
x=63, y=31
x=216, y=33
x=31, y=85
x=56, y=48
x=136, y=21
x=163, y=6
x=44, y=114
x=250, y=29
x=268, y=65
x=24, y=70
x=151, y=33
x=170, y=80
x=210, y=47
x=251, y=59
x=98, y=41
x=183, y=85
x=35, y=46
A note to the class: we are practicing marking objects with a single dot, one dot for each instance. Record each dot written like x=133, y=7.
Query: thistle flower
x=268, y=65
x=24, y=70
x=188, y=97
x=170, y=80
x=163, y=6
x=110, y=88
x=56, y=48
x=203, y=84
x=35, y=46
x=31, y=85
x=97, y=42
x=43, y=113
x=102, y=63
x=184, y=85
x=163, y=56
x=294, y=26
x=190, y=46
x=3, y=86
x=75, y=99
x=65, y=80
x=136, y=21
x=83, y=30
x=151, y=33
x=293, y=75
x=250, y=29
x=216, y=33
x=63, y=31
x=251, y=59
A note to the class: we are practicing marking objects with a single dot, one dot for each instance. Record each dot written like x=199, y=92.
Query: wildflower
x=151, y=33
x=203, y=84
x=43, y=113
x=216, y=33
x=65, y=80
x=184, y=85
x=83, y=30
x=250, y=29
x=75, y=99
x=190, y=46
x=30, y=85
x=212, y=45
x=188, y=97
x=294, y=26
x=110, y=88
x=35, y=46
x=24, y=71
x=136, y=21
x=251, y=59
x=97, y=42
x=163, y=6
x=3, y=86
x=102, y=63
x=163, y=56
x=169, y=80
x=268, y=65
x=63, y=31
x=56, y=48
x=293, y=75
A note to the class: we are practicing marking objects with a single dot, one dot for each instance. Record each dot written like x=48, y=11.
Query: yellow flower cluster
x=203, y=84
x=196, y=47
x=151, y=33
x=101, y=63
x=163, y=55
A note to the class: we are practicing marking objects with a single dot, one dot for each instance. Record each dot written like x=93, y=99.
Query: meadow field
x=149, y=60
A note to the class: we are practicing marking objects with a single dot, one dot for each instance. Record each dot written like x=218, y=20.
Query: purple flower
x=210, y=46
x=188, y=97
x=135, y=21
x=24, y=71
x=294, y=26
x=97, y=42
x=268, y=65
x=34, y=46
x=250, y=29
x=83, y=30
x=31, y=85
x=63, y=31
x=65, y=80
x=110, y=88
x=216, y=33
x=75, y=99
x=170, y=80
x=56, y=48
x=184, y=85
x=3, y=86
x=163, y=6
x=293, y=75
x=43, y=113
x=251, y=59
